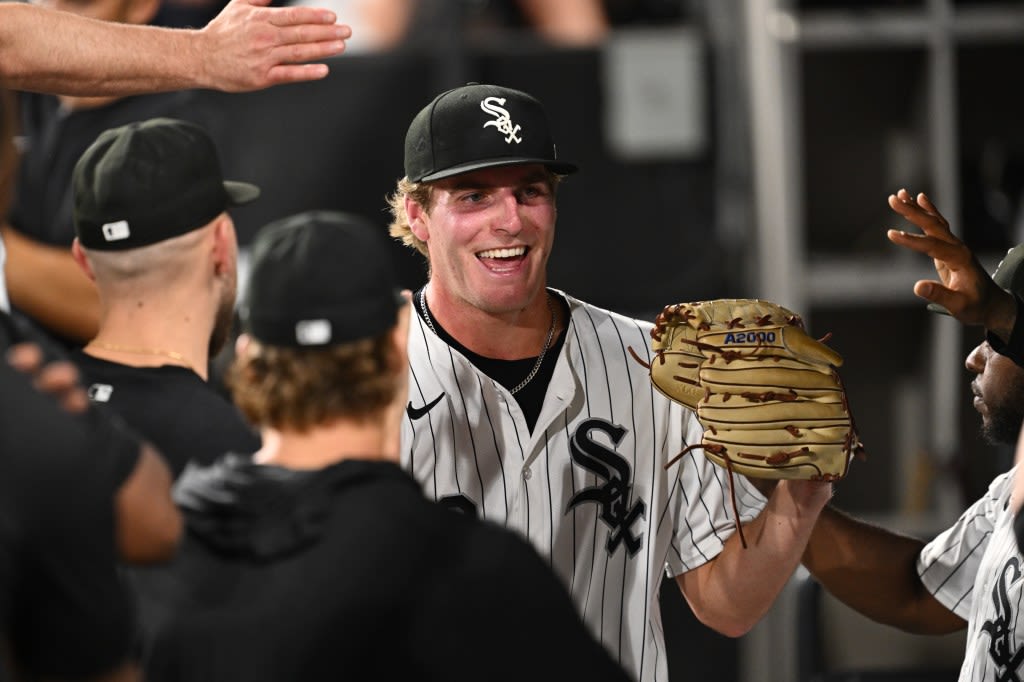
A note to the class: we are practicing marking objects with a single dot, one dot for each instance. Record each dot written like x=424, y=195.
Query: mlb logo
x=116, y=231
x=100, y=393
x=313, y=332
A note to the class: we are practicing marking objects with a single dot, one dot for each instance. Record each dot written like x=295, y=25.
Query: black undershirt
x=509, y=373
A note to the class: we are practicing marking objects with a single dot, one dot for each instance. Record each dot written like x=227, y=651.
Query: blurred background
x=729, y=148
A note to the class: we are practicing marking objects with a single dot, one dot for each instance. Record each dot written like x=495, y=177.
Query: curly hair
x=300, y=388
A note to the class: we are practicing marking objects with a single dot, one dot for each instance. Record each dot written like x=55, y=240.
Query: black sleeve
x=499, y=613
x=67, y=613
x=1014, y=348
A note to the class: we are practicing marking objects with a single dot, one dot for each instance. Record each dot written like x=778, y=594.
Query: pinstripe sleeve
x=949, y=564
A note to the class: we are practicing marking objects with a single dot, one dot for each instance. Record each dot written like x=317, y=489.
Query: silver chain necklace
x=540, y=358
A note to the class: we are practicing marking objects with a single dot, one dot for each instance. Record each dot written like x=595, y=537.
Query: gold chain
x=543, y=352
x=171, y=354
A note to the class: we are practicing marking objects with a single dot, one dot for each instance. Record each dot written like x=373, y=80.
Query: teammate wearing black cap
x=78, y=495
x=154, y=233
x=970, y=574
x=320, y=558
x=526, y=408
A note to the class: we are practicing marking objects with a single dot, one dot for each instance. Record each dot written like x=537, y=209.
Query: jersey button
x=527, y=473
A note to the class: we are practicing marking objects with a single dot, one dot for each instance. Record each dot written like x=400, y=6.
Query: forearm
x=733, y=592
x=50, y=51
x=45, y=283
x=246, y=47
x=874, y=571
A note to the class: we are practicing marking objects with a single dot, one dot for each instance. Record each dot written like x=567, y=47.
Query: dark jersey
x=63, y=609
x=171, y=407
x=348, y=572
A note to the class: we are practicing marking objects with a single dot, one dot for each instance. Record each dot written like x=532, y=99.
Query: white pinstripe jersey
x=588, y=487
x=975, y=569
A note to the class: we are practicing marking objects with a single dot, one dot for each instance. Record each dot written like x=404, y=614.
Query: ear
x=417, y=219
x=78, y=253
x=225, y=244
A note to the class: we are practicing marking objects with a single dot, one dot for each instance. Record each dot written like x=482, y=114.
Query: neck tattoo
x=543, y=351
x=135, y=350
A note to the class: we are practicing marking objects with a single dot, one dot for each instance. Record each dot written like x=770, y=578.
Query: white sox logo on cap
x=502, y=120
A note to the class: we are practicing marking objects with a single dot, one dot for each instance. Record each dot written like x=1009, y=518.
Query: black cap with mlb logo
x=479, y=126
x=148, y=181
x=320, y=278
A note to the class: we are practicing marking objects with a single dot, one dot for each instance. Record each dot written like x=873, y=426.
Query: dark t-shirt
x=348, y=572
x=63, y=608
x=171, y=407
x=52, y=140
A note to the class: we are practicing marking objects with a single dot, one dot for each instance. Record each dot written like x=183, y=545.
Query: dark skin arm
x=873, y=571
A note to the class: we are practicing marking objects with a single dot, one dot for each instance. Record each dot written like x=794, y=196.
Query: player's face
x=998, y=394
x=489, y=234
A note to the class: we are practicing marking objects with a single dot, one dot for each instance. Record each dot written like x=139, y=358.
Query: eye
x=471, y=197
x=533, y=192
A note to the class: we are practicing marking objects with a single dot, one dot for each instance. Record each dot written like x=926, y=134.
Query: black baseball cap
x=479, y=126
x=148, y=181
x=1008, y=275
x=320, y=278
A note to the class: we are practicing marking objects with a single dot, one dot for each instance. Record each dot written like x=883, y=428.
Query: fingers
x=296, y=73
x=299, y=16
x=25, y=357
x=58, y=379
x=922, y=213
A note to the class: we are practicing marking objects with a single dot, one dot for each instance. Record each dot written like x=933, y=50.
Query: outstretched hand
x=964, y=288
x=249, y=46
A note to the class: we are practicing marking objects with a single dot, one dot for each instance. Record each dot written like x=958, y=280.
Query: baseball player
x=154, y=233
x=971, y=574
x=526, y=408
x=317, y=533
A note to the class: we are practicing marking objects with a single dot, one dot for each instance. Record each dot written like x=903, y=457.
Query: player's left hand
x=249, y=46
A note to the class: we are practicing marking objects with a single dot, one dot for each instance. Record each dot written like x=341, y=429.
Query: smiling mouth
x=514, y=252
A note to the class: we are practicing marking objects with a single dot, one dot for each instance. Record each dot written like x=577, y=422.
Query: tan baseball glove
x=768, y=395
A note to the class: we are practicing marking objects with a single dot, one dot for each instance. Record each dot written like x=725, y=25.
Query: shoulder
x=585, y=313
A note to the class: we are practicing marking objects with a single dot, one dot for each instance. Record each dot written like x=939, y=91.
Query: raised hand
x=964, y=287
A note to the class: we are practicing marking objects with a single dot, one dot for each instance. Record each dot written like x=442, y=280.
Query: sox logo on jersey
x=613, y=496
x=587, y=484
x=1000, y=628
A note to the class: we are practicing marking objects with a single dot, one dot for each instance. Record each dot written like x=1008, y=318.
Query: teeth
x=503, y=253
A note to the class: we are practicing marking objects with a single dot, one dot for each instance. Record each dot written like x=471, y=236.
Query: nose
x=509, y=218
x=976, y=358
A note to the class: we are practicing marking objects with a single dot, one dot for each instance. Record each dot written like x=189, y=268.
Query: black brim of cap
x=560, y=167
x=241, y=192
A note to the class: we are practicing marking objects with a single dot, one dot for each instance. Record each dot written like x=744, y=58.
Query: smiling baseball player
x=527, y=409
